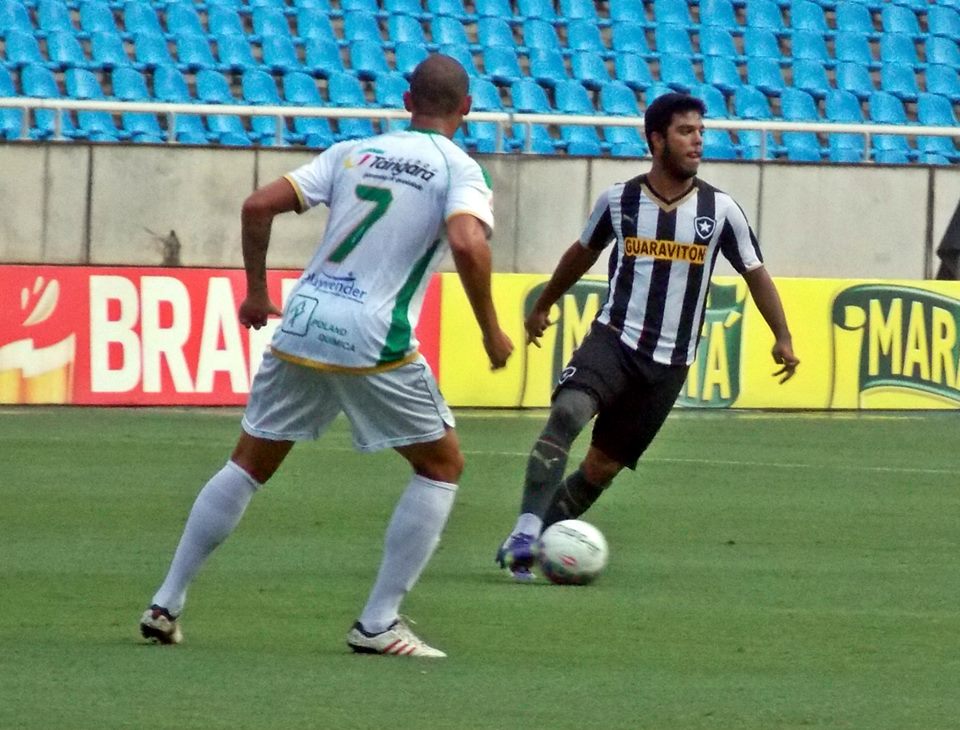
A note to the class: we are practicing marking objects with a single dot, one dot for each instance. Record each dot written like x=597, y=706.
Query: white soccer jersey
x=358, y=301
x=661, y=265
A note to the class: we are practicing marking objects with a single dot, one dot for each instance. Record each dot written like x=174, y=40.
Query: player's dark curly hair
x=660, y=113
x=438, y=85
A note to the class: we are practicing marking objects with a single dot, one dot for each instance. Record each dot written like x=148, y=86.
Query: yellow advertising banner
x=862, y=345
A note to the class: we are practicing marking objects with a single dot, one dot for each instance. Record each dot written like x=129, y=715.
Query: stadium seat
x=405, y=29
x=234, y=53
x=714, y=100
x=151, y=51
x=448, y=31
x=892, y=156
x=269, y=22
x=811, y=76
x=632, y=70
x=801, y=147
x=529, y=97
x=231, y=4
x=579, y=10
x=585, y=36
x=97, y=17
x=497, y=32
x=761, y=43
x=653, y=91
x=674, y=40
x=715, y=41
x=193, y=53
x=359, y=6
x=854, y=48
x=345, y=90
x=97, y=126
x=182, y=21
x=677, y=71
x=942, y=51
x=536, y=34
x=279, y=54
x=64, y=51
x=139, y=17
x=842, y=106
x=227, y=129
x=854, y=17
x=314, y=24
x=627, y=11
x=359, y=26
x=501, y=64
x=799, y=106
x=807, y=15
x=322, y=57
x=855, y=78
x=546, y=66
x=493, y=9
x=170, y=85
x=809, y=46
x=301, y=90
x=764, y=74
x=935, y=110
x=943, y=21
x=367, y=59
x=258, y=87
x=928, y=145
x=899, y=80
x=888, y=109
x=629, y=38
x=38, y=82
x=943, y=80
x=22, y=49
x=722, y=72
x=482, y=136
x=223, y=21
x=898, y=49
x=590, y=69
x=579, y=143
x=672, y=12
x=750, y=103
x=411, y=8
x=765, y=14
x=449, y=8
x=53, y=16
x=107, y=51
x=462, y=54
x=542, y=9
x=390, y=89
x=406, y=56
x=717, y=145
x=570, y=97
x=718, y=13
x=213, y=88
x=898, y=19
x=619, y=149
x=617, y=99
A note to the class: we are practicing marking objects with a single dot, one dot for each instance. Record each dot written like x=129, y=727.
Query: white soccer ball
x=572, y=552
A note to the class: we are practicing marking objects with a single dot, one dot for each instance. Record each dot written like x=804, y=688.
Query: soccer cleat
x=518, y=555
x=158, y=626
x=397, y=640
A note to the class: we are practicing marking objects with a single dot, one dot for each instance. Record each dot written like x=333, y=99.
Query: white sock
x=412, y=536
x=528, y=523
x=215, y=513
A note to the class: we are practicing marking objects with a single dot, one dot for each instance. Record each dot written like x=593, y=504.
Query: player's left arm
x=767, y=299
x=256, y=220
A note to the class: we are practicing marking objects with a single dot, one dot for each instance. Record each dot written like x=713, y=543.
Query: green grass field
x=767, y=571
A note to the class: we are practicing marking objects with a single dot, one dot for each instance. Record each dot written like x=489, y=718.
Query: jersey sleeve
x=313, y=181
x=738, y=243
x=470, y=194
x=598, y=231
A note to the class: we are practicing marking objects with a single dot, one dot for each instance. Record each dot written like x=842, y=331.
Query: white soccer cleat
x=158, y=626
x=397, y=640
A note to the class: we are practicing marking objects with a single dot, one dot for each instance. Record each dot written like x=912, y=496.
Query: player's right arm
x=256, y=219
x=574, y=263
x=467, y=237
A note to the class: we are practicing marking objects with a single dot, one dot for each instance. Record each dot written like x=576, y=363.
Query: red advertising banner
x=140, y=336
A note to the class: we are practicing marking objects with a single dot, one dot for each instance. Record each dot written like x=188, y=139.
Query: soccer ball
x=572, y=552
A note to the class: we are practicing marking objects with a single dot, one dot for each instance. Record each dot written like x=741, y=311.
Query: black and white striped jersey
x=661, y=265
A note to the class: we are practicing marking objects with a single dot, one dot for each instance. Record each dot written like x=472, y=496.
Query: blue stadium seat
x=943, y=80
x=462, y=54
x=653, y=91
x=529, y=97
x=672, y=12
x=585, y=36
x=359, y=6
x=258, y=87
x=674, y=40
x=22, y=49
x=898, y=19
x=345, y=90
x=390, y=89
x=854, y=48
x=722, y=72
x=213, y=88
x=892, y=156
x=888, y=109
x=714, y=100
x=765, y=14
x=227, y=129
x=14, y=17
x=718, y=13
x=717, y=145
x=129, y=85
x=501, y=64
x=486, y=96
x=628, y=37
x=142, y=128
x=151, y=51
x=842, y=106
x=899, y=80
x=811, y=76
x=618, y=149
x=53, y=16
x=898, y=49
x=854, y=17
x=448, y=31
x=493, y=9
x=38, y=82
x=97, y=126
x=359, y=26
x=170, y=85
x=935, y=110
x=536, y=34
x=314, y=24
x=140, y=17
x=449, y=8
x=301, y=90
x=799, y=106
x=618, y=99
x=322, y=57
x=579, y=10
x=677, y=71
x=632, y=70
x=230, y=4
x=405, y=29
x=808, y=16
x=943, y=21
x=590, y=69
x=407, y=55
x=761, y=43
x=497, y=32
x=107, y=51
x=855, y=78
x=546, y=67
x=97, y=17
x=64, y=50
x=570, y=97
x=750, y=103
x=943, y=146
x=234, y=53
x=810, y=46
x=412, y=8
x=627, y=10
x=715, y=41
x=182, y=21
x=279, y=54
x=224, y=21
x=941, y=50
x=270, y=22
x=11, y=120
x=801, y=147
x=542, y=9
x=367, y=59
x=579, y=143
x=482, y=136
x=764, y=74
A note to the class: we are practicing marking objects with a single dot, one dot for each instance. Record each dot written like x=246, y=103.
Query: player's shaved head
x=438, y=86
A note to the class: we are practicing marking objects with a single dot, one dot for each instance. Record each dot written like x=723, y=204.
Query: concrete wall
x=111, y=205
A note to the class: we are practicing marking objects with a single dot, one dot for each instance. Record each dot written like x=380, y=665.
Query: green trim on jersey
x=486, y=176
x=424, y=131
x=397, y=342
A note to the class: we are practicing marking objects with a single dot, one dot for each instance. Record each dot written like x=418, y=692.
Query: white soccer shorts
x=398, y=407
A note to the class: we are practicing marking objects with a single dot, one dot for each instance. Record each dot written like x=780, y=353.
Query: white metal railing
x=502, y=119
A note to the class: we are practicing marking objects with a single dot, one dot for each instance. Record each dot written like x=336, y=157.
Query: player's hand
x=499, y=347
x=536, y=324
x=783, y=355
x=255, y=310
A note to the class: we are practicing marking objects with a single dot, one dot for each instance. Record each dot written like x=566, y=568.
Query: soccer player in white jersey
x=346, y=343
x=668, y=227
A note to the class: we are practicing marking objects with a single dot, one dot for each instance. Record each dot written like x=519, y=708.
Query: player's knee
x=571, y=411
x=447, y=468
x=600, y=469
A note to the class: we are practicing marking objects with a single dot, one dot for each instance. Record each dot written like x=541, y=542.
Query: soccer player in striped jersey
x=667, y=227
x=347, y=343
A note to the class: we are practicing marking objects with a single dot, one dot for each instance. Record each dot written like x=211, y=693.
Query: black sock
x=574, y=497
